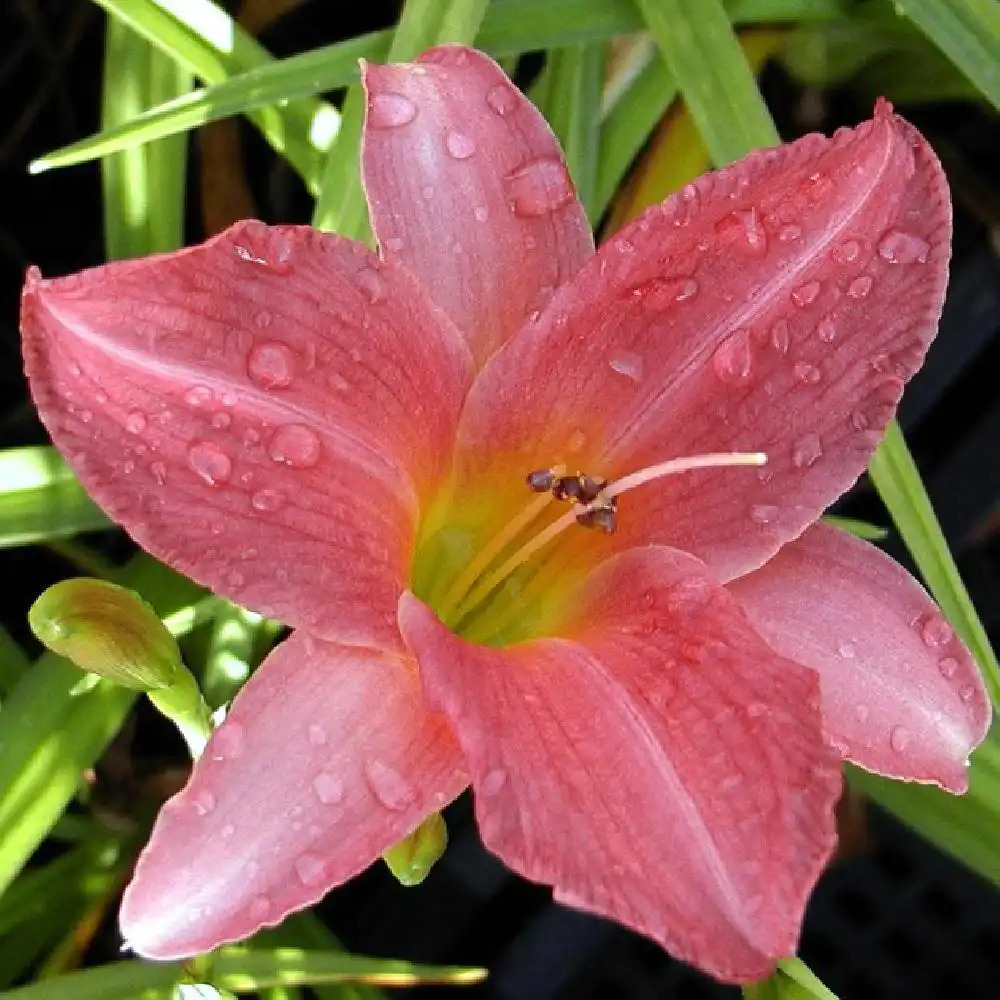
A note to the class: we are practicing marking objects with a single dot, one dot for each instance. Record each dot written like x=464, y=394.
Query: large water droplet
x=388, y=785
x=732, y=361
x=898, y=247
x=209, y=462
x=743, y=225
x=764, y=513
x=539, y=187
x=629, y=364
x=203, y=803
x=899, y=738
x=227, y=741
x=135, y=422
x=329, y=788
x=806, y=451
x=267, y=501
x=806, y=294
x=502, y=99
x=390, y=110
x=860, y=286
x=934, y=630
x=948, y=666
x=198, y=396
x=294, y=445
x=847, y=252
x=459, y=145
x=806, y=373
x=493, y=782
x=309, y=868
x=271, y=365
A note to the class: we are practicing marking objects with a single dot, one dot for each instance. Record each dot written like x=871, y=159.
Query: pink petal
x=467, y=186
x=659, y=765
x=263, y=412
x=901, y=694
x=775, y=306
x=327, y=758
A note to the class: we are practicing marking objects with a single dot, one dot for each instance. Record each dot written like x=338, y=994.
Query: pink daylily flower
x=652, y=720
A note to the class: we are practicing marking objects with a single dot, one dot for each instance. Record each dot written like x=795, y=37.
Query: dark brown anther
x=580, y=488
x=541, y=480
x=603, y=515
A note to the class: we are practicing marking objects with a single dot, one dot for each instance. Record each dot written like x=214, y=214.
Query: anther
x=541, y=480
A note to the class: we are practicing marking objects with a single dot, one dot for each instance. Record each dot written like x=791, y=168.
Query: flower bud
x=107, y=630
x=414, y=856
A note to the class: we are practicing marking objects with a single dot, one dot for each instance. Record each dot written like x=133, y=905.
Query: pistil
x=466, y=593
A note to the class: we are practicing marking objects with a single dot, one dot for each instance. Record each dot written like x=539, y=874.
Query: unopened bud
x=107, y=630
x=414, y=856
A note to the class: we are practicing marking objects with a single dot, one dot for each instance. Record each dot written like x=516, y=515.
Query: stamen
x=587, y=513
x=495, y=546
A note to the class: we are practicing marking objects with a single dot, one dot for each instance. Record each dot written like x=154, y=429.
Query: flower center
x=469, y=605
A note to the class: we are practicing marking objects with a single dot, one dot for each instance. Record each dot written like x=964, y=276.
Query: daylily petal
x=327, y=758
x=261, y=400
x=777, y=305
x=659, y=765
x=467, y=186
x=901, y=695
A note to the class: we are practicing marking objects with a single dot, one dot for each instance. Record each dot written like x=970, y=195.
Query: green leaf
x=143, y=187
x=14, y=662
x=628, y=125
x=968, y=32
x=203, y=39
x=792, y=980
x=40, y=498
x=116, y=981
x=963, y=826
x=568, y=93
x=704, y=56
x=862, y=529
x=341, y=206
x=898, y=482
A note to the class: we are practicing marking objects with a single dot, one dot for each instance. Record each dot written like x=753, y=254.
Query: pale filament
x=630, y=482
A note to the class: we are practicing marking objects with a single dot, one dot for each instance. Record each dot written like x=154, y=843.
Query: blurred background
x=895, y=917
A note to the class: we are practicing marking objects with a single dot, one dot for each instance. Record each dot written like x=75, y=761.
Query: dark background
x=896, y=919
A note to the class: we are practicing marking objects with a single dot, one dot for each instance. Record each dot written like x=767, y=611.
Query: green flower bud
x=414, y=856
x=107, y=630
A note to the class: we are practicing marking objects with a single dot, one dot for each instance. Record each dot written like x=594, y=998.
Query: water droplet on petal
x=806, y=294
x=732, y=362
x=317, y=735
x=789, y=233
x=459, y=145
x=764, y=513
x=743, y=225
x=493, y=782
x=628, y=364
x=135, y=422
x=576, y=441
x=370, y=282
x=967, y=692
x=388, y=785
x=847, y=650
x=806, y=451
x=427, y=192
x=780, y=336
x=159, y=471
x=948, y=666
x=899, y=738
x=294, y=445
x=203, y=803
x=390, y=110
x=847, y=252
x=502, y=99
x=687, y=289
x=198, y=396
x=898, y=247
x=309, y=868
x=481, y=212
x=227, y=831
x=860, y=286
x=539, y=187
x=271, y=365
x=227, y=741
x=221, y=420
x=267, y=501
x=826, y=330
x=209, y=462
x=806, y=373
x=329, y=788
x=934, y=630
